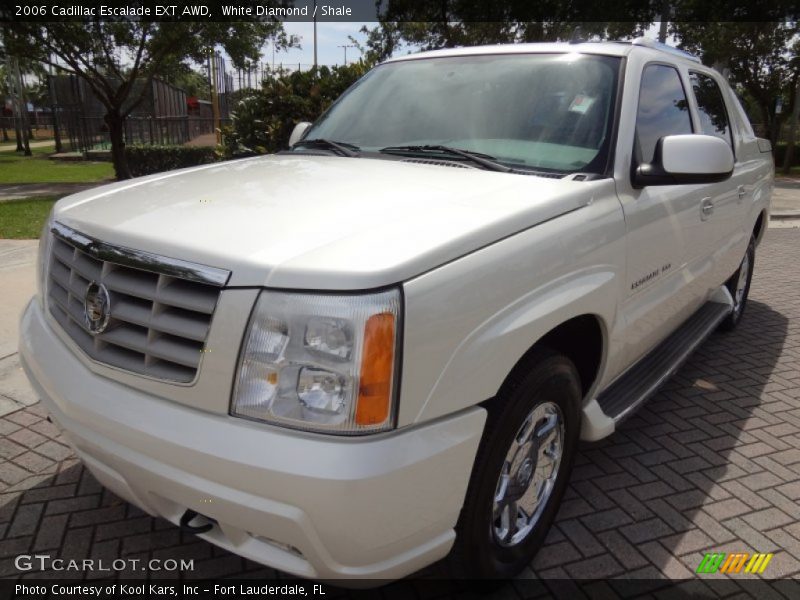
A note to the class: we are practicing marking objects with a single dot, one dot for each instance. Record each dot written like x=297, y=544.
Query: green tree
x=451, y=23
x=119, y=59
x=33, y=90
x=759, y=56
x=5, y=92
x=262, y=121
x=193, y=83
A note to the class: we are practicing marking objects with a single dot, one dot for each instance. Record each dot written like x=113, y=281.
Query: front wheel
x=521, y=471
x=739, y=287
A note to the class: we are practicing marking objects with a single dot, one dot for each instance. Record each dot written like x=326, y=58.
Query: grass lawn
x=23, y=219
x=15, y=168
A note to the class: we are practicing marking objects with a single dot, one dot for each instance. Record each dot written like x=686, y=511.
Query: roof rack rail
x=651, y=43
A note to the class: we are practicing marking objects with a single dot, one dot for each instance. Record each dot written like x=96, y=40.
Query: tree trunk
x=776, y=133
x=54, y=110
x=787, y=159
x=776, y=120
x=773, y=126
x=665, y=16
x=56, y=132
x=22, y=111
x=18, y=133
x=116, y=131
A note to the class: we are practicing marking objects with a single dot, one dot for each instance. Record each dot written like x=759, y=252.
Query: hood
x=319, y=222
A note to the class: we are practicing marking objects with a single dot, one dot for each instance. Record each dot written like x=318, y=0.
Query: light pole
x=315, y=36
x=345, y=47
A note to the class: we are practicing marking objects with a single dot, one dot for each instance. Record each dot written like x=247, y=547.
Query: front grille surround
x=161, y=308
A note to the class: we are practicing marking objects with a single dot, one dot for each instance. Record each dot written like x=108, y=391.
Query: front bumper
x=380, y=506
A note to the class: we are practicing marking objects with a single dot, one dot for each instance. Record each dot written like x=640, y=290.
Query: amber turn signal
x=377, y=367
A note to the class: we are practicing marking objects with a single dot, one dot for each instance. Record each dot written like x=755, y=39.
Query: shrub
x=145, y=160
x=263, y=121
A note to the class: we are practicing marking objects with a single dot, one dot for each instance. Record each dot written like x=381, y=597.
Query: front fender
x=468, y=323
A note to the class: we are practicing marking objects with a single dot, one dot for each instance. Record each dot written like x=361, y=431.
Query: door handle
x=741, y=192
x=706, y=208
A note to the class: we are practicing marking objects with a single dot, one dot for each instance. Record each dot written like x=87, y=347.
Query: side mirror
x=683, y=159
x=298, y=132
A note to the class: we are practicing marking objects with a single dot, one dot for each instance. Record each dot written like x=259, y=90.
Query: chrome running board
x=629, y=392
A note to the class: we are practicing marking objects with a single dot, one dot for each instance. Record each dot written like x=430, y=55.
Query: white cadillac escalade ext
x=380, y=347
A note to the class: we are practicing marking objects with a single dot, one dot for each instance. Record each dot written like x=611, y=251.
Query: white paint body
x=488, y=263
x=682, y=154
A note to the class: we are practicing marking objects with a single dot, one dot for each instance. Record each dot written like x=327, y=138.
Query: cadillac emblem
x=96, y=307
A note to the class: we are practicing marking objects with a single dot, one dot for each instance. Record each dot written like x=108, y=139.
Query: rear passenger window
x=711, y=106
x=663, y=109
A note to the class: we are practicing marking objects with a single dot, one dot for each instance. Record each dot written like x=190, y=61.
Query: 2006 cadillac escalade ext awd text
x=381, y=346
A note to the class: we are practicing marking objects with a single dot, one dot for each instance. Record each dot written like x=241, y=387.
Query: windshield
x=542, y=111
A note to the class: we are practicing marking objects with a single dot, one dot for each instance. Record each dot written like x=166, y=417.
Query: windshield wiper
x=485, y=160
x=343, y=148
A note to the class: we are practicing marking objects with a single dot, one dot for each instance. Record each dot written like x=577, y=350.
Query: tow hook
x=189, y=515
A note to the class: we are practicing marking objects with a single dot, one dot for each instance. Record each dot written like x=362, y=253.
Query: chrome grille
x=161, y=308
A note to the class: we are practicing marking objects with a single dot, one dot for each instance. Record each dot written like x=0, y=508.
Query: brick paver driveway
x=712, y=463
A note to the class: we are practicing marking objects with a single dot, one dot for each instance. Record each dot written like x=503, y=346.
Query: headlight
x=42, y=260
x=321, y=362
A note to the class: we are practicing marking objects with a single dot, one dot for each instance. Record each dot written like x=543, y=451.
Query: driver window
x=663, y=109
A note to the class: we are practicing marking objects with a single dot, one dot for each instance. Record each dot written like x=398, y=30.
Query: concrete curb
x=785, y=215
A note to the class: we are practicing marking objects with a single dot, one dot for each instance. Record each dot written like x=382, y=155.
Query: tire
x=549, y=392
x=739, y=287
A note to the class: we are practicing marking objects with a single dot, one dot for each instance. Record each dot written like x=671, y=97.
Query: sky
x=332, y=35
x=329, y=37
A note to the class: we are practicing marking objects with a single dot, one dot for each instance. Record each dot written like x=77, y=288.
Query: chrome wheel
x=741, y=284
x=521, y=470
x=528, y=474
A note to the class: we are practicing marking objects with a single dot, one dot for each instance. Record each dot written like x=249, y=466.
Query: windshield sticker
x=581, y=104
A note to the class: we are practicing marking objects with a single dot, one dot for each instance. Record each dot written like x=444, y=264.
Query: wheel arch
x=481, y=356
x=760, y=226
x=582, y=339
